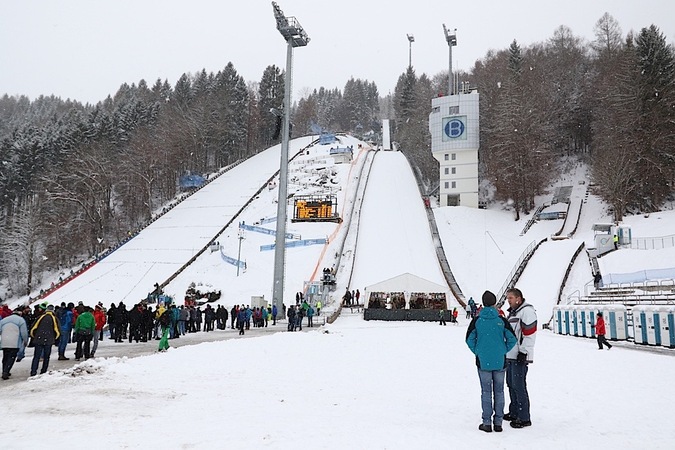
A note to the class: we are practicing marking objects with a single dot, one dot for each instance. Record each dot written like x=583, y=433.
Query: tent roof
x=406, y=282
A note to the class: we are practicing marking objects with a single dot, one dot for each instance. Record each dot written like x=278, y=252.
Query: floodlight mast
x=451, y=38
x=295, y=36
x=411, y=39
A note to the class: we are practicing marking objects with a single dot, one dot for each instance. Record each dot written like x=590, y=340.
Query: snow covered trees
x=634, y=119
x=613, y=100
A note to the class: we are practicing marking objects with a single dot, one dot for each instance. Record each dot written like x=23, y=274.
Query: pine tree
x=270, y=97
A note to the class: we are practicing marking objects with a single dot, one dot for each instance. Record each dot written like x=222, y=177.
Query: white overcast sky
x=85, y=49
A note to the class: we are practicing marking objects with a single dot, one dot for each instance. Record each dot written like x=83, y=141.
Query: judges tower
x=454, y=128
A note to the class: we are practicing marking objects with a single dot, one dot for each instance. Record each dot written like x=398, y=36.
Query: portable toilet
x=557, y=320
x=649, y=323
x=615, y=322
x=581, y=317
x=639, y=324
x=584, y=326
x=565, y=315
x=590, y=319
x=574, y=320
x=653, y=325
x=667, y=325
x=624, y=234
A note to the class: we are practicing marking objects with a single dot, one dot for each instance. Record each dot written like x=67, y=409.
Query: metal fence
x=653, y=243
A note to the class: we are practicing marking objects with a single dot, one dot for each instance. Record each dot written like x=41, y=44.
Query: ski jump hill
x=171, y=251
x=159, y=250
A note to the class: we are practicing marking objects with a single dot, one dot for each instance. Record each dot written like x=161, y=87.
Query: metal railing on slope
x=234, y=217
x=518, y=269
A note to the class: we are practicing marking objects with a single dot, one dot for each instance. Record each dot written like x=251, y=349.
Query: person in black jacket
x=45, y=331
x=120, y=321
x=112, y=312
x=135, y=319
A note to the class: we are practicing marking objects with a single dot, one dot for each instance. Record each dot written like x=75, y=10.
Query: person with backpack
x=490, y=337
x=165, y=323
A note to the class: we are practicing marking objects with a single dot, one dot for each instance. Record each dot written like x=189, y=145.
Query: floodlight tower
x=295, y=36
x=451, y=38
x=411, y=39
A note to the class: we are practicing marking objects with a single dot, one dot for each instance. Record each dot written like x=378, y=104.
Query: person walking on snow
x=600, y=332
x=165, y=322
x=441, y=317
x=490, y=337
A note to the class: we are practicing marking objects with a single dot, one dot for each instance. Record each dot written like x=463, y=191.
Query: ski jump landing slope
x=394, y=236
x=129, y=273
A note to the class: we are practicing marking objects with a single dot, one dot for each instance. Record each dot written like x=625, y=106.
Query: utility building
x=453, y=124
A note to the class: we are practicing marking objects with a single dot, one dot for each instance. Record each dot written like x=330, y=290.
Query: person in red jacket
x=600, y=332
x=100, y=319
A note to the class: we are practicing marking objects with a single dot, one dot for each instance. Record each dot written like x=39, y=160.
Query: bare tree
x=23, y=247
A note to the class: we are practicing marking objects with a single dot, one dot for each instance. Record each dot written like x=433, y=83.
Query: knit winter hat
x=489, y=299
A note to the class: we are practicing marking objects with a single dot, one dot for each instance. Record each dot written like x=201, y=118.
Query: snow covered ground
x=357, y=384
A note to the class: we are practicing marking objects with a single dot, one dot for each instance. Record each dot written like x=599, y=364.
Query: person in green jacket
x=84, y=331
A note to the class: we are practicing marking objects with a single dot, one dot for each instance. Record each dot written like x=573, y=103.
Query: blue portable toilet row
x=654, y=325
x=579, y=320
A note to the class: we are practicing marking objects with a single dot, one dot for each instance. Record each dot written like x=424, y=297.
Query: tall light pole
x=451, y=38
x=295, y=36
x=411, y=39
x=241, y=238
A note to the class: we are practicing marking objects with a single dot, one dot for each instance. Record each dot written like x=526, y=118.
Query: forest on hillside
x=75, y=179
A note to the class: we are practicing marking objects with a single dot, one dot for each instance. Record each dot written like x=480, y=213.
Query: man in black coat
x=120, y=321
x=45, y=331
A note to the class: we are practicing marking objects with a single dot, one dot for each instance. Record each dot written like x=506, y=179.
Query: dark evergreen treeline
x=75, y=178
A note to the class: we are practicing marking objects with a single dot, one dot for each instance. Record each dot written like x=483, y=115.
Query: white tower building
x=453, y=124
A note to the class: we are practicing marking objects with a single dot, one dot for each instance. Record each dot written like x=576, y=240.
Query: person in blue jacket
x=490, y=337
x=65, y=315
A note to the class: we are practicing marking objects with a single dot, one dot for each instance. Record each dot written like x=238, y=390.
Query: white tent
x=406, y=283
